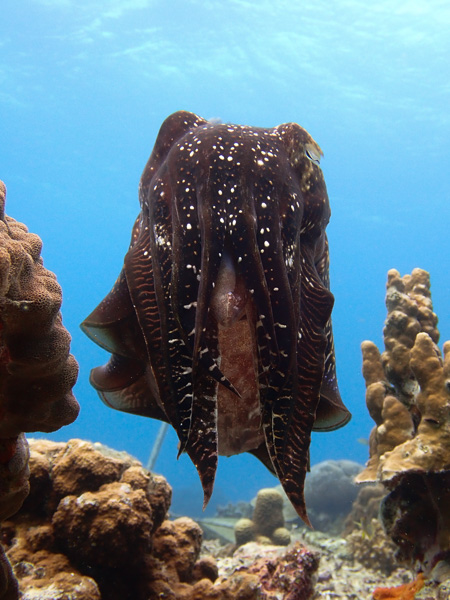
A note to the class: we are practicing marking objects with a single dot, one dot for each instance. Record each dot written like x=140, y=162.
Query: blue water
x=85, y=85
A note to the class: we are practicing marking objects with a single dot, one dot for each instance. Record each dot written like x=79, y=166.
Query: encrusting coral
x=37, y=372
x=95, y=526
x=408, y=396
x=267, y=523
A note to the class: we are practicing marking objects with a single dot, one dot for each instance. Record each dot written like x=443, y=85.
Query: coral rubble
x=408, y=396
x=37, y=372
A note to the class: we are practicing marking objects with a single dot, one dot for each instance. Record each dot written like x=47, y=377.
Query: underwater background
x=84, y=88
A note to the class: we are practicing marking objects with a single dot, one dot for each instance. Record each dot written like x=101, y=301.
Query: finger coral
x=408, y=396
x=267, y=523
x=37, y=372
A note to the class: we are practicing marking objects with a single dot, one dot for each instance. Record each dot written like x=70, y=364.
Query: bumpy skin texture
x=37, y=372
x=408, y=396
x=219, y=322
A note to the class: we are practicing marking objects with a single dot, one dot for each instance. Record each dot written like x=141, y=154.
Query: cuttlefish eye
x=312, y=154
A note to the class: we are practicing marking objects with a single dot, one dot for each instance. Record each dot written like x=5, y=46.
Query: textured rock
x=54, y=579
x=82, y=468
x=370, y=545
x=290, y=575
x=92, y=512
x=258, y=572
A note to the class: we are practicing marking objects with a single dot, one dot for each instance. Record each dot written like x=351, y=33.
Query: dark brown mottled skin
x=219, y=322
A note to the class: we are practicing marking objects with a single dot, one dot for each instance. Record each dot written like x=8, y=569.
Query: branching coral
x=408, y=396
x=37, y=372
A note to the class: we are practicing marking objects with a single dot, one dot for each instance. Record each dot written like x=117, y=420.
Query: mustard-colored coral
x=244, y=531
x=408, y=396
x=397, y=395
x=429, y=449
x=267, y=523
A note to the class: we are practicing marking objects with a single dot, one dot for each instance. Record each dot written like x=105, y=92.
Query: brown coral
x=114, y=541
x=101, y=526
x=408, y=396
x=93, y=512
x=37, y=372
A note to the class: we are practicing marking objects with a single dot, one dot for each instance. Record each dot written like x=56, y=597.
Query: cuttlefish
x=220, y=320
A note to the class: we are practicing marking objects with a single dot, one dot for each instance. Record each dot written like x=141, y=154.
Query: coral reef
x=37, y=372
x=95, y=526
x=327, y=512
x=340, y=573
x=90, y=511
x=408, y=396
x=371, y=547
x=366, y=507
x=267, y=524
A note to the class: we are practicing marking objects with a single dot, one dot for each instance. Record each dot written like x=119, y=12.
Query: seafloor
x=96, y=524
